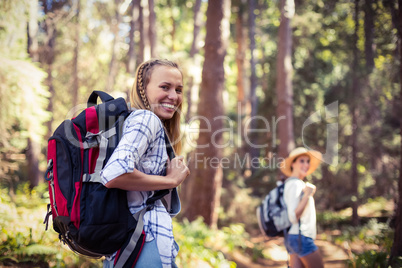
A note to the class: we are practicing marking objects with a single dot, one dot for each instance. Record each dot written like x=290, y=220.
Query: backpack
x=90, y=218
x=272, y=213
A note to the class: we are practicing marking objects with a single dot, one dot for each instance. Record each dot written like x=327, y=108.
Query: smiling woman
x=155, y=85
x=140, y=163
x=298, y=196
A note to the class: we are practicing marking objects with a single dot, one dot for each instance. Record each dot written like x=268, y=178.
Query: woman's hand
x=177, y=170
x=310, y=189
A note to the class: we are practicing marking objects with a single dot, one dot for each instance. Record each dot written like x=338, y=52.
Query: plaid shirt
x=142, y=147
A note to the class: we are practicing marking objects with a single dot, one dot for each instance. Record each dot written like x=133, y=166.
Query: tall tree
x=207, y=181
x=396, y=250
x=369, y=33
x=131, y=55
x=141, y=29
x=77, y=29
x=33, y=30
x=195, y=47
x=144, y=27
x=253, y=101
x=53, y=13
x=355, y=114
x=243, y=101
x=152, y=29
x=114, y=63
x=33, y=145
x=284, y=89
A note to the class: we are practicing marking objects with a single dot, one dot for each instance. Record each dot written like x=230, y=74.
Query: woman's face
x=165, y=91
x=301, y=165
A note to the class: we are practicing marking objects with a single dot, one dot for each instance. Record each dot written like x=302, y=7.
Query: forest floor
x=334, y=255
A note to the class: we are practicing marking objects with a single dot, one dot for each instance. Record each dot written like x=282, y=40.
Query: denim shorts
x=300, y=245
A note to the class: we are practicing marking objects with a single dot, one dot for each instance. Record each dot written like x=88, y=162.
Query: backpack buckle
x=49, y=170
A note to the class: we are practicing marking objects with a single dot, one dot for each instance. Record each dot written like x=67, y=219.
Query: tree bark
x=76, y=55
x=243, y=96
x=47, y=59
x=355, y=112
x=33, y=146
x=152, y=29
x=131, y=55
x=207, y=182
x=33, y=30
x=113, y=65
x=252, y=105
x=396, y=250
x=141, y=45
x=369, y=34
x=284, y=89
x=145, y=30
x=192, y=85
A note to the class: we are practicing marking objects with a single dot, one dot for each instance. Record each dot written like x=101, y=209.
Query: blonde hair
x=139, y=100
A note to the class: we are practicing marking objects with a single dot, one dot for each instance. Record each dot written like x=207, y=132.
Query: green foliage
x=23, y=239
x=23, y=97
x=201, y=244
x=370, y=258
x=374, y=232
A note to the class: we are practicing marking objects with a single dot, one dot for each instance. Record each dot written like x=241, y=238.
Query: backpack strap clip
x=49, y=170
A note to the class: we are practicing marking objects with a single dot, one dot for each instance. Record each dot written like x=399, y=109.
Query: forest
x=260, y=79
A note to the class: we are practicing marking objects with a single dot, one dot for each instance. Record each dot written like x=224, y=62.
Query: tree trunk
x=355, y=112
x=193, y=86
x=131, y=55
x=33, y=30
x=396, y=250
x=33, y=146
x=76, y=55
x=47, y=60
x=152, y=29
x=141, y=45
x=113, y=65
x=251, y=110
x=173, y=32
x=145, y=30
x=243, y=100
x=369, y=34
x=207, y=182
x=284, y=89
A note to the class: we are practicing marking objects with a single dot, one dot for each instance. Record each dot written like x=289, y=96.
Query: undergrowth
x=24, y=241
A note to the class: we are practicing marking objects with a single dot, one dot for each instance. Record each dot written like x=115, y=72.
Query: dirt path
x=334, y=256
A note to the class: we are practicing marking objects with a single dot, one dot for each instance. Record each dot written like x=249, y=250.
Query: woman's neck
x=298, y=175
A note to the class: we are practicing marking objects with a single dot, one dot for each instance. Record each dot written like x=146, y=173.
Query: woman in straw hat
x=298, y=196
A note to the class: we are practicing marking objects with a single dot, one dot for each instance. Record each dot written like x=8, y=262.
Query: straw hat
x=315, y=160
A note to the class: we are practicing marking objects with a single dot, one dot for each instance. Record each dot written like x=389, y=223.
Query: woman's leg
x=295, y=261
x=313, y=260
x=149, y=256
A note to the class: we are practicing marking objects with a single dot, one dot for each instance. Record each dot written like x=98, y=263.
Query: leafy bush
x=199, y=244
x=23, y=239
x=370, y=258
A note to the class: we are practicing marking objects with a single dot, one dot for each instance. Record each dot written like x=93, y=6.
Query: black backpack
x=91, y=219
x=272, y=213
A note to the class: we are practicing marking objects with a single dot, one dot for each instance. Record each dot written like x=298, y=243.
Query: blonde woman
x=298, y=196
x=140, y=163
